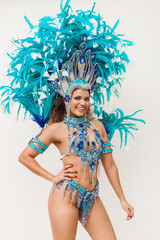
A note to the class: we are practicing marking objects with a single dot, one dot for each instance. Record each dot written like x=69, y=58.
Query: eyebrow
x=81, y=96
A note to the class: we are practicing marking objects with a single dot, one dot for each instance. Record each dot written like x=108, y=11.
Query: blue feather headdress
x=79, y=43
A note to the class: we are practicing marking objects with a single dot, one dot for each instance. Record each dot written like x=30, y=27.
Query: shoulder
x=51, y=132
x=54, y=126
x=99, y=125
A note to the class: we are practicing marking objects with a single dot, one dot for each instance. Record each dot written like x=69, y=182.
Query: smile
x=80, y=108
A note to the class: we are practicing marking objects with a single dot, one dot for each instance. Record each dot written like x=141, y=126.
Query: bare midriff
x=84, y=181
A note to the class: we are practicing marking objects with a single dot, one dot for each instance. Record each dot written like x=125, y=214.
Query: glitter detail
x=85, y=198
x=79, y=144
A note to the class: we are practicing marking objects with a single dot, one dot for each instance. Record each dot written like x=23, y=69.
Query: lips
x=80, y=109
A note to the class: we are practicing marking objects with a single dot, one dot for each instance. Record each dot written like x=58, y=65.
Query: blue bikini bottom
x=85, y=199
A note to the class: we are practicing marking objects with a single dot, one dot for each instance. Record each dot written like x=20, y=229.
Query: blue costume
x=89, y=153
x=73, y=50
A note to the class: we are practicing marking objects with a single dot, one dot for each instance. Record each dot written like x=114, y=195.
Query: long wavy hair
x=59, y=111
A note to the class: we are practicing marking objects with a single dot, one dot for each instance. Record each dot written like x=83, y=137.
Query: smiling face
x=79, y=103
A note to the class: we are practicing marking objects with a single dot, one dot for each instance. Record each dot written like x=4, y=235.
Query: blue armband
x=104, y=150
x=36, y=140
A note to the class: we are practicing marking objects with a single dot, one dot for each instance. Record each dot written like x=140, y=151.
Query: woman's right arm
x=27, y=157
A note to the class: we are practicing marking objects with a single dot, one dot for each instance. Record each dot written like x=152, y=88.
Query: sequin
x=84, y=38
x=71, y=124
x=84, y=193
x=93, y=143
x=55, y=85
x=92, y=165
x=83, y=45
x=73, y=143
x=68, y=65
x=75, y=133
x=82, y=59
x=97, y=135
x=59, y=74
x=88, y=53
x=78, y=53
x=81, y=136
x=88, y=197
x=97, y=139
x=83, y=158
x=91, y=151
x=85, y=199
x=87, y=124
x=77, y=186
x=80, y=144
x=84, y=131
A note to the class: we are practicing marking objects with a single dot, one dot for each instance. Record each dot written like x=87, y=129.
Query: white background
x=23, y=195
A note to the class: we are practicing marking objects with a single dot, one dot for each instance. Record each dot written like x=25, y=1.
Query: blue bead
x=55, y=85
x=93, y=143
x=74, y=133
x=77, y=186
x=82, y=59
x=91, y=151
x=97, y=139
x=84, y=193
x=84, y=131
x=87, y=124
x=80, y=125
x=88, y=197
x=83, y=158
x=92, y=165
x=81, y=136
x=97, y=135
x=78, y=53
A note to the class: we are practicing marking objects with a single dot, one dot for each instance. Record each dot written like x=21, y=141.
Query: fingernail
x=71, y=179
x=72, y=165
x=76, y=172
x=75, y=176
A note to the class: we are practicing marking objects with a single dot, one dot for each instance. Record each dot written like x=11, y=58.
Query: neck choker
x=71, y=119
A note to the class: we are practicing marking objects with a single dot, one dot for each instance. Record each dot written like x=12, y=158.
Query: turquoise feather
x=40, y=54
x=117, y=121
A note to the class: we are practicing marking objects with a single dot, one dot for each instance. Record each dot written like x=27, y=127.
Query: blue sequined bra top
x=80, y=144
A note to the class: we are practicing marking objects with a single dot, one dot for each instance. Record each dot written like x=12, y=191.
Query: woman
x=64, y=215
x=66, y=62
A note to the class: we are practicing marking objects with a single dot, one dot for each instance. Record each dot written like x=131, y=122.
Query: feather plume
x=117, y=121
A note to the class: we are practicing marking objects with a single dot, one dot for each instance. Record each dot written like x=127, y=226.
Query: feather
x=118, y=121
x=37, y=57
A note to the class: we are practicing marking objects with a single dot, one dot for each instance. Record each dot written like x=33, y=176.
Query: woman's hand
x=65, y=174
x=128, y=208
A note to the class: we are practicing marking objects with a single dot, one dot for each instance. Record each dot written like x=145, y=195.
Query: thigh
x=98, y=225
x=63, y=216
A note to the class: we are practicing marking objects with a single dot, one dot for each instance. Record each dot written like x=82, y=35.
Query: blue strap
x=106, y=144
x=107, y=150
x=44, y=147
x=40, y=143
x=35, y=147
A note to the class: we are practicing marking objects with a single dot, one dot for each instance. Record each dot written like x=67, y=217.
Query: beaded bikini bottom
x=86, y=198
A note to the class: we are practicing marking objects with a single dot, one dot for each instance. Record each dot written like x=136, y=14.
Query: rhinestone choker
x=74, y=119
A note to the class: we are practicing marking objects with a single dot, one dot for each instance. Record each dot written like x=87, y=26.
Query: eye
x=87, y=99
x=77, y=98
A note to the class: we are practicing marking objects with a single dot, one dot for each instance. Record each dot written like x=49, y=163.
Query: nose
x=82, y=102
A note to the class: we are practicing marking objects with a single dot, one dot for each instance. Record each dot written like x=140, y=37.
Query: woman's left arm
x=111, y=171
x=112, y=174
